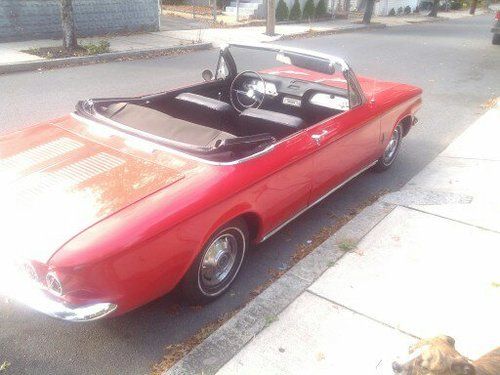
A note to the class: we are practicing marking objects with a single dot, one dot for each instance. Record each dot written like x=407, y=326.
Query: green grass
x=270, y=319
x=347, y=245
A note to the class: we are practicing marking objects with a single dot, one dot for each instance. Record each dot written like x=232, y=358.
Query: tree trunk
x=367, y=17
x=271, y=18
x=68, y=25
x=434, y=10
x=473, y=7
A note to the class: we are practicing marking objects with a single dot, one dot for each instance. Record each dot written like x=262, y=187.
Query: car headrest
x=203, y=101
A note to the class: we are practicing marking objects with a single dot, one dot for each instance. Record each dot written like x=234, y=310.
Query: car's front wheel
x=391, y=150
x=217, y=265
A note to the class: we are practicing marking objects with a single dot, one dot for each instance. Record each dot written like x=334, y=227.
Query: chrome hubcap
x=392, y=147
x=219, y=260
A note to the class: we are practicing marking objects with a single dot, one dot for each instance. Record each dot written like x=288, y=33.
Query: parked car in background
x=496, y=29
x=125, y=199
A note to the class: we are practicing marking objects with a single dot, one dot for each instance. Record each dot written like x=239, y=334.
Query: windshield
x=288, y=64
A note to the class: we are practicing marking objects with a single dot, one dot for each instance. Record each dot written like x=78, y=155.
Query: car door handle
x=319, y=137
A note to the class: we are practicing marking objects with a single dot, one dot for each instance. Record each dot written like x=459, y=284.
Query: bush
x=407, y=9
x=321, y=9
x=97, y=48
x=282, y=11
x=456, y=4
x=295, y=12
x=309, y=9
x=400, y=11
x=416, y=10
x=392, y=12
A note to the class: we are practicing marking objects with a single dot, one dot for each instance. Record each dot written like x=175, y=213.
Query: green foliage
x=282, y=11
x=400, y=11
x=295, y=12
x=309, y=10
x=407, y=9
x=392, y=12
x=456, y=4
x=321, y=9
x=96, y=48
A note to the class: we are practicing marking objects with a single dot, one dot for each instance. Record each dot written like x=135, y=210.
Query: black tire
x=496, y=39
x=391, y=151
x=205, y=281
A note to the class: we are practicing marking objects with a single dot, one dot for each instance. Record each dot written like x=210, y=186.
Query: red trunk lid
x=55, y=183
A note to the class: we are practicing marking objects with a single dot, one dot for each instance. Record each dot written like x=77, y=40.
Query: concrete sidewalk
x=419, y=262
x=218, y=36
x=11, y=52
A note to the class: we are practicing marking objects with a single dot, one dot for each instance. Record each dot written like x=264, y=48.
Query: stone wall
x=38, y=19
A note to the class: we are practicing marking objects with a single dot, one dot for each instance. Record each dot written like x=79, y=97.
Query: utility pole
x=214, y=10
x=237, y=10
x=271, y=18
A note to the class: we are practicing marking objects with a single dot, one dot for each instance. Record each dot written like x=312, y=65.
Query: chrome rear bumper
x=46, y=303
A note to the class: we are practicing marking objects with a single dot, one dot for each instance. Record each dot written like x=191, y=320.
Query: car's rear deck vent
x=39, y=154
x=71, y=175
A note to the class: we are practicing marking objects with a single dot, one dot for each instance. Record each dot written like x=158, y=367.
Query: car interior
x=206, y=121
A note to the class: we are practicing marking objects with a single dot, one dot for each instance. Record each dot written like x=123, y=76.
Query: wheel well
x=253, y=222
x=406, y=124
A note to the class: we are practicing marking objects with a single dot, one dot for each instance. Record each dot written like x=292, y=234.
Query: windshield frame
x=334, y=61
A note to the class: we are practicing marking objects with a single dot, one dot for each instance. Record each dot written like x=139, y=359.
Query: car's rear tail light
x=53, y=284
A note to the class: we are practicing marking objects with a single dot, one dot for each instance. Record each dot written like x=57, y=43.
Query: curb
x=223, y=344
x=105, y=57
x=348, y=29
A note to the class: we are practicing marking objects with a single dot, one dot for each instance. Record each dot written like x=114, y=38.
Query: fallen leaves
x=4, y=366
x=490, y=103
x=175, y=352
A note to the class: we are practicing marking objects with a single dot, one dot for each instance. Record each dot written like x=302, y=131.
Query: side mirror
x=207, y=75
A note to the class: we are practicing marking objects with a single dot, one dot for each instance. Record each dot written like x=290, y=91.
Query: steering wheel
x=246, y=90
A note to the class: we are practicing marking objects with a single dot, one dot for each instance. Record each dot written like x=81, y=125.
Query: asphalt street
x=453, y=61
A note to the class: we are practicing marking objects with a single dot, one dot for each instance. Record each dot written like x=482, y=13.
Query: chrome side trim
x=275, y=230
x=143, y=137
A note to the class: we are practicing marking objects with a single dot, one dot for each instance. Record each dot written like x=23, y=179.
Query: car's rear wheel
x=496, y=39
x=391, y=150
x=217, y=265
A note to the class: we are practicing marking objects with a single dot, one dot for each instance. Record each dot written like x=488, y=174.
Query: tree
x=68, y=25
x=282, y=11
x=321, y=10
x=271, y=18
x=367, y=17
x=473, y=7
x=434, y=10
x=309, y=10
x=295, y=12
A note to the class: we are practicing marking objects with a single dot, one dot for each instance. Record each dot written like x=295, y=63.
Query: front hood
x=54, y=184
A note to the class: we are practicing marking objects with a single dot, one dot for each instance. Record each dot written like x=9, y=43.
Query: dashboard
x=296, y=93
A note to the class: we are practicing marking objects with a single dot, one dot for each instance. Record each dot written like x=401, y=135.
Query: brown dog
x=437, y=356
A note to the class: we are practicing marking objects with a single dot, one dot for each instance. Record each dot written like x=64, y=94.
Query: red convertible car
x=125, y=199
